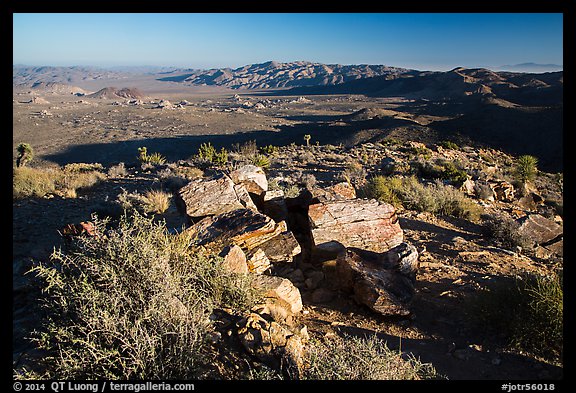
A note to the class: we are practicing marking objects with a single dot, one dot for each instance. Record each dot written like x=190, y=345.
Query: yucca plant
x=25, y=154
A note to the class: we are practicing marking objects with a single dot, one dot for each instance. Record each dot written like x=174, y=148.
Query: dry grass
x=156, y=201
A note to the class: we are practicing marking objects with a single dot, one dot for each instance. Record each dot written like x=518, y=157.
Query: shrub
x=526, y=168
x=117, y=170
x=261, y=161
x=247, y=149
x=154, y=158
x=449, y=145
x=33, y=182
x=156, y=201
x=352, y=358
x=220, y=158
x=81, y=167
x=134, y=304
x=435, y=198
x=25, y=154
x=526, y=311
x=505, y=231
x=454, y=174
x=384, y=189
x=270, y=150
x=354, y=174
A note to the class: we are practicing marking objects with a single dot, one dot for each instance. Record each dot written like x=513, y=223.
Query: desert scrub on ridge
x=526, y=311
x=408, y=192
x=353, y=358
x=133, y=302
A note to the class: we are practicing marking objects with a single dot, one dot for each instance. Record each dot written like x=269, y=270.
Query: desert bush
x=25, y=154
x=453, y=173
x=153, y=159
x=260, y=160
x=410, y=193
x=82, y=167
x=384, y=189
x=354, y=174
x=71, y=181
x=247, y=149
x=269, y=150
x=449, y=145
x=418, y=151
x=134, y=304
x=33, y=182
x=505, y=231
x=118, y=170
x=525, y=168
x=156, y=201
x=353, y=358
x=526, y=311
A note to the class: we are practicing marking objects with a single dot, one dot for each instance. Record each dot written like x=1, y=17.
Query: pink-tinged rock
x=234, y=259
x=208, y=197
x=337, y=192
x=365, y=224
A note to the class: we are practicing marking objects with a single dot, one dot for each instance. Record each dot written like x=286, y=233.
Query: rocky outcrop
x=337, y=192
x=365, y=224
x=217, y=195
x=252, y=178
x=262, y=239
x=539, y=229
x=281, y=292
x=382, y=281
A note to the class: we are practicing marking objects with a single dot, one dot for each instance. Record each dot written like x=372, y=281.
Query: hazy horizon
x=436, y=42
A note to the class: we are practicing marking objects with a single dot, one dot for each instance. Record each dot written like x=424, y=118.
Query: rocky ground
x=455, y=259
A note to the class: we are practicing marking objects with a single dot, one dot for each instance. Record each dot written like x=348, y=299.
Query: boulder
x=252, y=177
x=275, y=205
x=273, y=344
x=365, y=224
x=280, y=291
x=468, y=187
x=213, y=196
x=262, y=239
x=234, y=259
x=539, y=229
x=503, y=190
x=337, y=192
x=382, y=281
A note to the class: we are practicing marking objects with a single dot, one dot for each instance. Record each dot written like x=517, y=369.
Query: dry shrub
x=156, y=201
x=353, y=358
x=33, y=182
x=133, y=304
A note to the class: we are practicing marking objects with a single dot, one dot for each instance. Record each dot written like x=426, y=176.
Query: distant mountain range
x=277, y=75
x=531, y=67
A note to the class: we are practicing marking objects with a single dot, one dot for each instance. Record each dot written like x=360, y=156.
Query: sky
x=430, y=41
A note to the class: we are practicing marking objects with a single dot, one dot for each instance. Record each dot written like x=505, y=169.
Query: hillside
x=114, y=93
x=412, y=269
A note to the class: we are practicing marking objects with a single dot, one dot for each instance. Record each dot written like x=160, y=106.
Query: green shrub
x=353, y=358
x=384, y=189
x=220, y=158
x=25, y=154
x=269, y=150
x=154, y=158
x=526, y=311
x=261, y=161
x=449, y=145
x=453, y=174
x=134, y=304
x=435, y=198
x=525, y=168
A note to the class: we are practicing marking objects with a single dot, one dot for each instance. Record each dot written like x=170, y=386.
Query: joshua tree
x=526, y=168
x=307, y=139
x=142, y=154
x=25, y=154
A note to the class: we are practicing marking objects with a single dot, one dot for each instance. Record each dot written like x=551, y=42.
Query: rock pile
x=235, y=216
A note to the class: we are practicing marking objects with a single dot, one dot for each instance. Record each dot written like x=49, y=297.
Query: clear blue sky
x=419, y=41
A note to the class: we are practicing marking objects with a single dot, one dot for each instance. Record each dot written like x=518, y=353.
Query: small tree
x=142, y=154
x=25, y=154
x=526, y=168
x=307, y=138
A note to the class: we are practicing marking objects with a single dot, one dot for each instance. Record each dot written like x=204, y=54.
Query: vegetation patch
x=133, y=304
x=527, y=311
